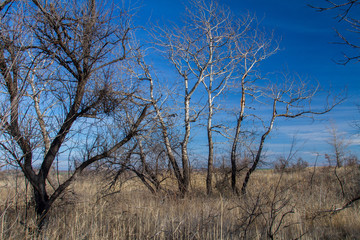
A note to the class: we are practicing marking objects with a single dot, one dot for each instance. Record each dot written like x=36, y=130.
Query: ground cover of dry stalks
x=277, y=206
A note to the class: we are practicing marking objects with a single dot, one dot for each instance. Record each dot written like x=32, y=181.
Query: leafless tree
x=207, y=50
x=219, y=36
x=157, y=98
x=147, y=156
x=144, y=161
x=252, y=47
x=55, y=65
x=196, y=50
x=340, y=155
x=290, y=99
x=339, y=145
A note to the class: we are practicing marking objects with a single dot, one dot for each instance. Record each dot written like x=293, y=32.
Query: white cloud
x=355, y=141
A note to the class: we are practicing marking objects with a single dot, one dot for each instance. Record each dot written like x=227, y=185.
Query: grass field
x=277, y=206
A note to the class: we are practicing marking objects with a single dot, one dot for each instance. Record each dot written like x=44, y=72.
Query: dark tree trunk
x=261, y=145
x=42, y=203
x=184, y=186
x=233, y=157
x=237, y=136
x=210, y=170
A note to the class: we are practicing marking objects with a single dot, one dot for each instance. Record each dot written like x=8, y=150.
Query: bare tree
x=339, y=145
x=216, y=25
x=163, y=121
x=195, y=50
x=291, y=99
x=347, y=12
x=252, y=47
x=137, y=159
x=205, y=51
x=59, y=57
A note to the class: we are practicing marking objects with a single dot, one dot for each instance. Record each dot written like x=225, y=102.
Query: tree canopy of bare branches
x=290, y=98
x=57, y=63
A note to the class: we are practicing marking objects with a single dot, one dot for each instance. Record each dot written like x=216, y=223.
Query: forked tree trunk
x=42, y=203
x=261, y=145
x=254, y=165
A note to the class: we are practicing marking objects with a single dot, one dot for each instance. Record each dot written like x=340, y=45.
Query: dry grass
x=279, y=206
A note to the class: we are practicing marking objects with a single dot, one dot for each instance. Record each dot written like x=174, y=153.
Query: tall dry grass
x=277, y=205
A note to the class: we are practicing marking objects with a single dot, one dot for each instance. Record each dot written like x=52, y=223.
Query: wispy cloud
x=355, y=141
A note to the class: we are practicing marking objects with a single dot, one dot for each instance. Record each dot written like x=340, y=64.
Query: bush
x=284, y=165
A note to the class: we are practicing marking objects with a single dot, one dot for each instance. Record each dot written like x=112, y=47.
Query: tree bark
x=184, y=149
x=237, y=136
x=42, y=202
x=233, y=156
x=261, y=145
x=210, y=169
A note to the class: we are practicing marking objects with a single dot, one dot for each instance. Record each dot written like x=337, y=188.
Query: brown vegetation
x=277, y=205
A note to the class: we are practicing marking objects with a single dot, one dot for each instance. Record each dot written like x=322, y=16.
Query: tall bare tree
x=55, y=66
x=190, y=49
x=290, y=99
x=252, y=47
x=203, y=51
x=219, y=32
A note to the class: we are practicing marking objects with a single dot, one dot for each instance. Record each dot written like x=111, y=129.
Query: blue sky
x=306, y=48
